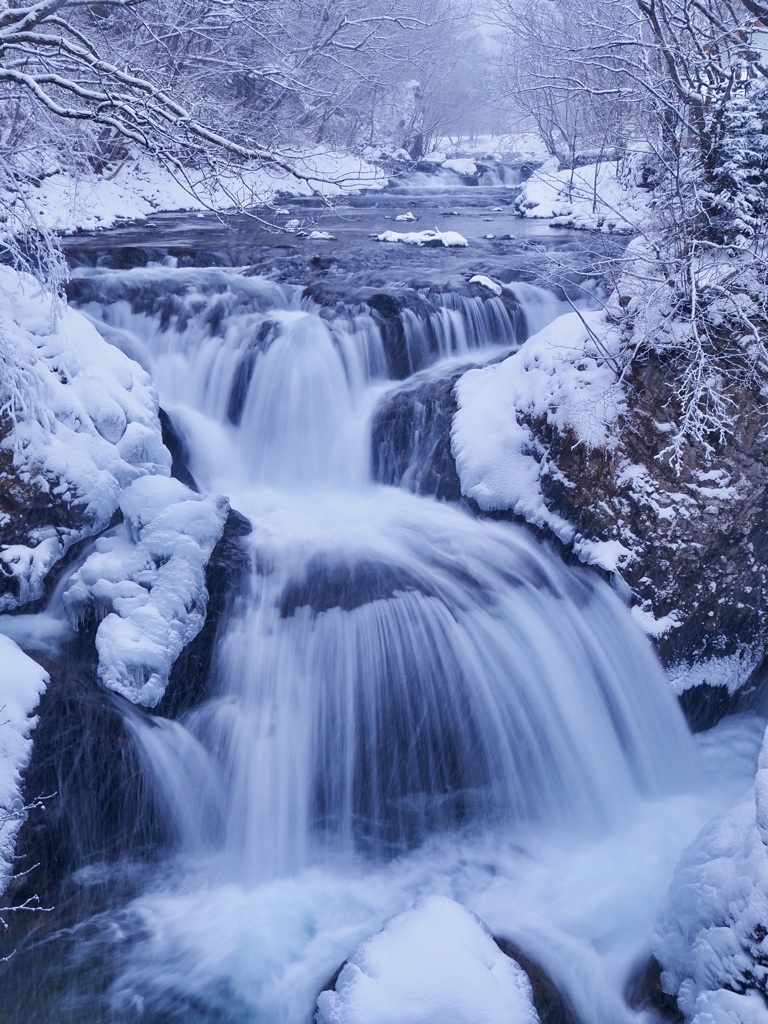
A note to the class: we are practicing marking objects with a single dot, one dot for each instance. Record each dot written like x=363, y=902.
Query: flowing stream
x=404, y=699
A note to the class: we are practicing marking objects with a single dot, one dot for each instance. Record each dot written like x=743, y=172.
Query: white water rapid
x=405, y=699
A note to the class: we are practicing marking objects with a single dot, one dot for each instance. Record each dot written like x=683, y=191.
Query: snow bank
x=593, y=198
x=712, y=936
x=562, y=376
x=145, y=584
x=80, y=421
x=435, y=962
x=22, y=682
x=428, y=237
x=141, y=186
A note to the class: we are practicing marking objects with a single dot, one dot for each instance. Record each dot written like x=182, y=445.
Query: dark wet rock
x=346, y=585
x=411, y=439
x=226, y=577
x=551, y=1005
x=85, y=767
x=697, y=537
x=174, y=442
x=644, y=993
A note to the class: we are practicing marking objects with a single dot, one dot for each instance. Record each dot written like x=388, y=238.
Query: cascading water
x=400, y=680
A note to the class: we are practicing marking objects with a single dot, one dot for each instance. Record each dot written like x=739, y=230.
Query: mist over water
x=404, y=700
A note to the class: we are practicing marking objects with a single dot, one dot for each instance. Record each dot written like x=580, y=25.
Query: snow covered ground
x=597, y=197
x=137, y=188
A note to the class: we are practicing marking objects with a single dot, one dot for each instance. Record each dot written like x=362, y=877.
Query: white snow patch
x=22, y=682
x=729, y=670
x=83, y=422
x=428, y=237
x=321, y=236
x=434, y=962
x=653, y=626
x=145, y=583
x=486, y=282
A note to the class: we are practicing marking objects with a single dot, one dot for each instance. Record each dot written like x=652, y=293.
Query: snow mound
x=145, y=584
x=79, y=422
x=22, y=682
x=321, y=236
x=428, y=237
x=407, y=217
x=562, y=375
x=435, y=962
x=712, y=935
x=461, y=166
x=592, y=198
x=487, y=282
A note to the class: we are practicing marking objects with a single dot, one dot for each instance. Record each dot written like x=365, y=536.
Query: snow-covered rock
x=78, y=424
x=22, y=682
x=145, y=584
x=486, y=282
x=462, y=166
x=712, y=935
x=428, y=237
x=559, y=377
x=434, y=962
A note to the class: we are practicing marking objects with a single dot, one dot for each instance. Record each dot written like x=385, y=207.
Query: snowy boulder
x=78, y=424
x=461, y=166
x=22, y=682
x=144, y=585
x=712, y=935
x=434, y=962
x=560, y=377
x=429, y=238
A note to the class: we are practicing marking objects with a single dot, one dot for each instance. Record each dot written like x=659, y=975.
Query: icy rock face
x=22, y=682
x=548, y=435
x=144, y=585
x=435, y=962
x=78, y=424
x=712, y=936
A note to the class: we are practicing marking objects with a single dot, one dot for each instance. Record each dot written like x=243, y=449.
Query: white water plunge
x=397, y=671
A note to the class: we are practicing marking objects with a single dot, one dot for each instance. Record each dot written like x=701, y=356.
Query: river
x=404, y=698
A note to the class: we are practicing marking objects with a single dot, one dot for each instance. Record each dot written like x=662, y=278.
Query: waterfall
x=405, y=699
x=397, y=668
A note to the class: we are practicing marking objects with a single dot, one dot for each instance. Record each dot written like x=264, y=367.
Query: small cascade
x=538, y=305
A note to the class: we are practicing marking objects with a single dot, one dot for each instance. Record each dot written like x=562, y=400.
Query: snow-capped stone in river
x=428, y=237
x=434, y=962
